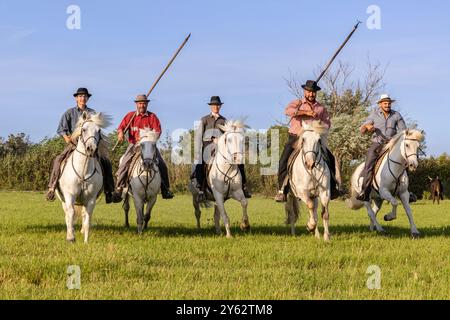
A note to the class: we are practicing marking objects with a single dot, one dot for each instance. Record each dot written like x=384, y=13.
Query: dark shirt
x=385, y=128
x=206, y=132
x=69, y=120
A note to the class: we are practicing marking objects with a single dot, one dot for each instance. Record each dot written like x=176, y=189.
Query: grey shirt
x=385, y=128
x=69, y=120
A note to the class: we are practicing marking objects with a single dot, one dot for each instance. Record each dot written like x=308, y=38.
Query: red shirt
x=140, y=121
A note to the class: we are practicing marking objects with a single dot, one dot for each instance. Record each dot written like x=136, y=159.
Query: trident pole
x=156, y=82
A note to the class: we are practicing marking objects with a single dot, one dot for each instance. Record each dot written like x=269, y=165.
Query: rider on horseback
x=142, y=119
x=306, y=109
x=383, y=123
x=66, y=127
x=207, y=133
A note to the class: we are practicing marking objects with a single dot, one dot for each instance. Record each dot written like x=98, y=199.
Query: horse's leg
x=377, y=203
x=316, y=218
x=139, y=207
x=126, y=209
x=404, y=196
x=325, y=199
x=373, y=218
x=87, y=213
x=148, y=210
x=217, y=220
x=385, y=194
x=221, y=206
x=239, y=196
x=291, y=208
x=197, y=210
x=83, y=217
x=69, y=209
x=311, y=224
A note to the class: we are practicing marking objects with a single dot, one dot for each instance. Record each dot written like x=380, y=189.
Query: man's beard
x=311, y=99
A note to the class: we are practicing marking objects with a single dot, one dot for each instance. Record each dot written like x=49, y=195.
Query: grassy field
x=173, y=260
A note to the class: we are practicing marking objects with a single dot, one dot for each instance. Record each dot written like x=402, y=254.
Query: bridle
x=318, y=157
x=233, y=166
x=83, y=142
x=150, y=174
x=403, y=165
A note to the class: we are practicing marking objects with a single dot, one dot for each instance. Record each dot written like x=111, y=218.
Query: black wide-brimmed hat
x=82, y=91
x=311, y=85
x=215, y=100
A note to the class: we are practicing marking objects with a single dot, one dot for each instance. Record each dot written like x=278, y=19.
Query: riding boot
x=283, y=169
x=108, y=179
x=247, y=193
x=200, y=178
x=56, y=171
x=331, y=163
x=165, y=184
x=371, y=159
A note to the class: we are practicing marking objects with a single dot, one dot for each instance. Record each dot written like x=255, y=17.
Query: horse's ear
x=84, y=115
x=221, y=127
x=407, y=132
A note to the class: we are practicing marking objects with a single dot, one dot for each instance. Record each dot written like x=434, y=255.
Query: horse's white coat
x=145, y=180
x=81, y=180
x=402, y=149
x=310, y=180
x=224, y=177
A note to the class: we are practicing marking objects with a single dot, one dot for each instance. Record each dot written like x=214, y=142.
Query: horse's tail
x=79, y=212
x=353, y=203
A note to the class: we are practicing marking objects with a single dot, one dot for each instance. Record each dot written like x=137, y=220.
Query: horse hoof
x=386, y=218
x=310, y=229
x=245, y=226
x=229, y=236
x=70, y=240
x=415, y=236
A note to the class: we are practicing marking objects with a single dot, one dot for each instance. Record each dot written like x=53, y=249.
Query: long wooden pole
x=156, y=82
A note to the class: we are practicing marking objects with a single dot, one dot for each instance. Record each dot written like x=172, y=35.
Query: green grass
x=173, y=260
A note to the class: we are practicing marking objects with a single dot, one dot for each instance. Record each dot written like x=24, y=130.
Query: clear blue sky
x=240, y=50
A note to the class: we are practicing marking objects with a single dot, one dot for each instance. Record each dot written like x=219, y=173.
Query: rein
x=403, y=165
x=227, y=177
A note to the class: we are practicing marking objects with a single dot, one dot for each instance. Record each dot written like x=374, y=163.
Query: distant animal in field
x=436, y=189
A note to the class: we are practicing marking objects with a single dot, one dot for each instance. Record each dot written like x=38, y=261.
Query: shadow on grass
x=274, y=230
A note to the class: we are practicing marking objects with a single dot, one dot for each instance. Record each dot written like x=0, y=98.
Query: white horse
x=391, y=179
x=145, y=179
x=310, y=179
x=224, y=177
x=81, y=179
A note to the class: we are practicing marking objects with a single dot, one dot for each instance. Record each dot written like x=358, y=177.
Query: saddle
x=378, y=162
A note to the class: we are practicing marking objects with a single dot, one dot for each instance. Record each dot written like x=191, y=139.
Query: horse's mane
x=100, y=119
x=232, y=125
x=317, y=126
x=408, y=133
x=149, y=134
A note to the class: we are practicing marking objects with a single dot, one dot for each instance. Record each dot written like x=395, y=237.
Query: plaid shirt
x=385, y=128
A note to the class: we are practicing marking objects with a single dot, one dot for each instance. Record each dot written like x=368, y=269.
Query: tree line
x=26, y=166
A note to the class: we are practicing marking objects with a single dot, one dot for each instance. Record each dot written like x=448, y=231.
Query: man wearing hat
x=383, y=123
x=67, y=126
x=140, y=119
x=207, y=135
x=307, y=110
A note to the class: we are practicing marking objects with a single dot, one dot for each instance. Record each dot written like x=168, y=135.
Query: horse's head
x=411, y=146
x=231, y=144
x=147, y=143
x=311, y=142
x=89, y=131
